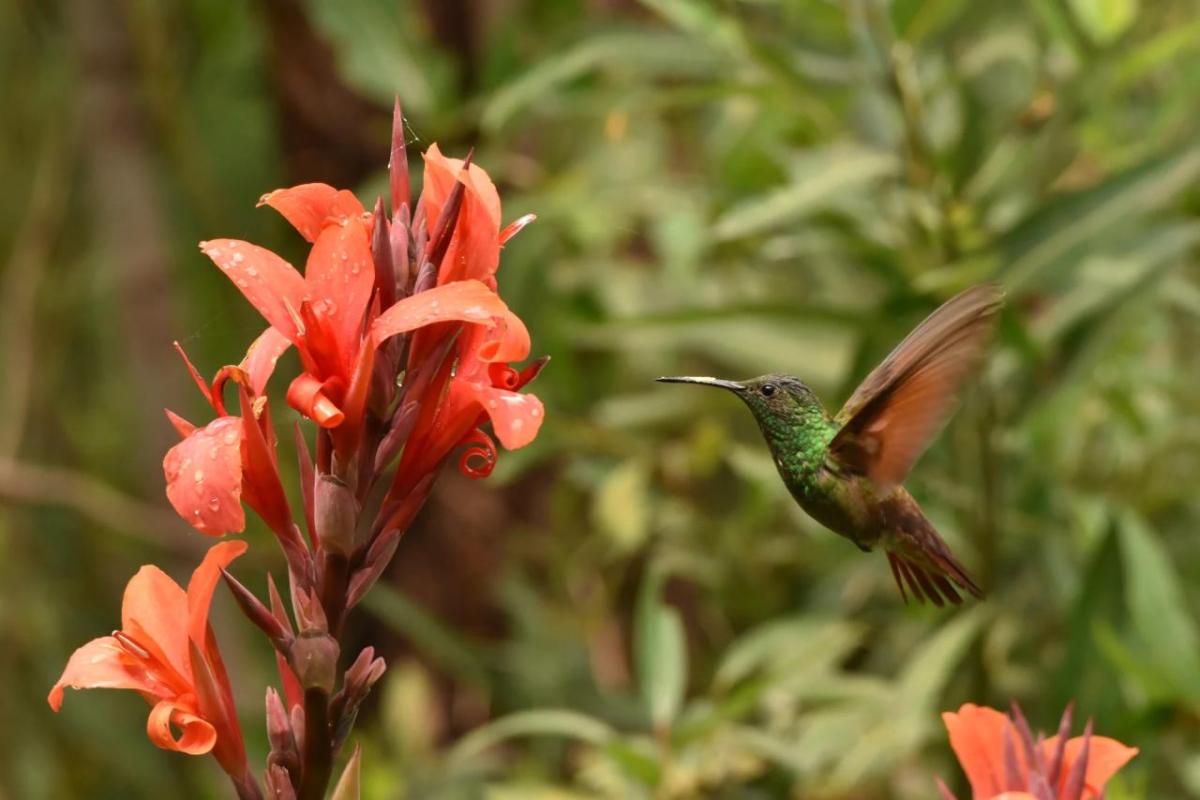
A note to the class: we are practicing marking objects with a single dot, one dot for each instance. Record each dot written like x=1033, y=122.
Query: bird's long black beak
x=732, y=386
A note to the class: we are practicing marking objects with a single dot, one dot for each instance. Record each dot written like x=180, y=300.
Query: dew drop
x=252, y=272
x=239, y=258
x=214, y=503
x=242, y=282
x=230, y=437
x=535, y=412
x=213, y=452
x=493, y=404
x=517, y=424
x=198, y=477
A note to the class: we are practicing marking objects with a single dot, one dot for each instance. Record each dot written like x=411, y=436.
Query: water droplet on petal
x=230, y=437
x=198, y=477
x=239, y=258
x=492, y=403
x=252, y=272
x=517, y=424
x=535, y=412
x=242, y=282
x=213, y=452
x=214, y=503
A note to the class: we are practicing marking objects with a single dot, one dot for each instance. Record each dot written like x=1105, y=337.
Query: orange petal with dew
x=340, y=275
x=309, y=205
x=204, y=477
x=266, y=280
x=463, y=301
x=261, y=357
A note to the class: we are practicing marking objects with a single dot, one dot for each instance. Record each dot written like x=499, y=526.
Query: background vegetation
x=632, y=607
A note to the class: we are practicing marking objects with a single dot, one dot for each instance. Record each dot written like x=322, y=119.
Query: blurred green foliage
x=728, y=187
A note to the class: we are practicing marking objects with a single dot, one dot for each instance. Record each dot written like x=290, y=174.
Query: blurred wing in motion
x=892, y=416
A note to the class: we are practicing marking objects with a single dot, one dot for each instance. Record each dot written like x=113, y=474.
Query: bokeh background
x=633, y=607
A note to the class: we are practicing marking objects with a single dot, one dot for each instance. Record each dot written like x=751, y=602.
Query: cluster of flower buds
x=405, y=350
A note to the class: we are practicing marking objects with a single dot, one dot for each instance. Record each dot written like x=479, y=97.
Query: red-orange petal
x=204, y=477
x=197, y=736
x=266, y=280
x=977, y=737
x=474, y=252
x=305, y=206
x=340, y=275
x=154, y=611
x=203, y=583
x=1105, y=758
x=463, y=301
x=516, y=418
x=103, y=664
x=507, y=341
x=261, y=357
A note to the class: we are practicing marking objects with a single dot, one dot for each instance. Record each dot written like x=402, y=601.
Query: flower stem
x=318, y=747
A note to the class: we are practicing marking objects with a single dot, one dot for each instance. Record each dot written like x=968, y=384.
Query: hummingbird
x=846, y=470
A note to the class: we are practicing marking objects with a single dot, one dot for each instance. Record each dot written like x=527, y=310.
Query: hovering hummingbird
x=846, y=470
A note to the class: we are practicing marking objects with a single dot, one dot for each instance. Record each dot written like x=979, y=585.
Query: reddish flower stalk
x=1003, y=760
x=405, y=350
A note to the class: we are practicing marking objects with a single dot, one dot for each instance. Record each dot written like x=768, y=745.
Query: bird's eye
x=767, y=389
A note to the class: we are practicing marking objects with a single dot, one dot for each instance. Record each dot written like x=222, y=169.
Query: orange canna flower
x=1003, y=761
x=166, y=651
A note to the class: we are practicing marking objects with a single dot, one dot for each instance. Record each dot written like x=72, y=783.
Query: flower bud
x=314, y=660
x=336, y=513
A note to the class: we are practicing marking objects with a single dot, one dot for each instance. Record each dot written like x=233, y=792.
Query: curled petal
x=260, y=359
x=197, y=736
x=507, y=341
x=204, y=477
x=515, y=227
x=309, y=205
x=103, y=664
x=306, y=395
x=266, y=280
x=463, y=301
x=479, y=458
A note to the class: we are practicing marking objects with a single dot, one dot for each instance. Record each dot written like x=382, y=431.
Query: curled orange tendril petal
x=479, y=458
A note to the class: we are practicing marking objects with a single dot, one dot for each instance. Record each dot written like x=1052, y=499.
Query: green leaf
x=1056, y=227
x=926, y=675
x=660, y=653
x=1105, y=20
x=620, y=508
x=1157, y=606
x=647, y=54
x=821, y=177
x=543, y=722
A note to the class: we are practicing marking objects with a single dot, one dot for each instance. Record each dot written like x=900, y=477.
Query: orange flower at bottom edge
x=166, y=652
x=1003, y=762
